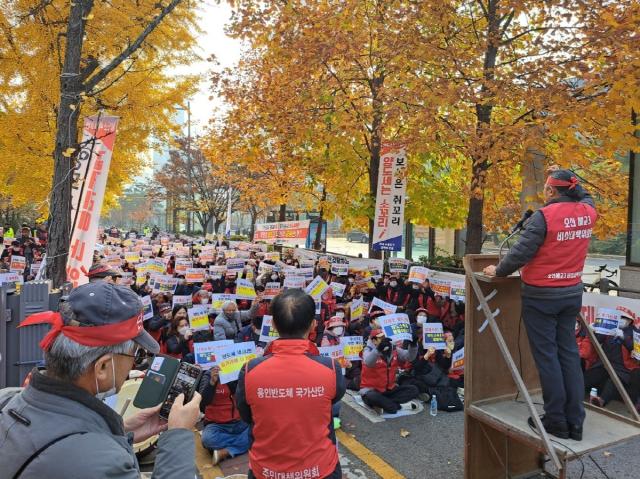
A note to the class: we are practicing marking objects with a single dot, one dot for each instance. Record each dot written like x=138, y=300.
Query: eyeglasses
x=139, y=356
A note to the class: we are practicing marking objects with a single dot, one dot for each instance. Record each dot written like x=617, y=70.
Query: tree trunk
x=254, y=218
x=216, y=225
x=484, y=109
x=317, y=243
x=66, y=137
x=282, y=215
x=374, y=155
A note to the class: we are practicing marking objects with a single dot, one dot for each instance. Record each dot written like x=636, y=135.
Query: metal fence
x=19, y=347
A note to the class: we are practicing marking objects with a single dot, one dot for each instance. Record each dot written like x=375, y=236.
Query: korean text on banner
x=235, y=264
x=398, y=265
x=338, y=288
x=607, y=321
x=352, y=346
x=98, y=140
x=388, y=308
x=388, y=222
x=418, y=274
x=17, y=264
x=440, y=287
x=334, y=352
x=340, y=269
x=198, y=317
x=232, y=357
x=357, y=309
x=433, y=336
x=271, y=290
x=457, y=361
x=396, y=326
x=186, y=299
x=205, y=353
x=245, y=289
x=286, y=231
x=194, y=275
x=458, y=291
x=293, y=282
x=218, y=299
x=317, y=287
x=636, y=344
x=147, y=307
x=268, y=332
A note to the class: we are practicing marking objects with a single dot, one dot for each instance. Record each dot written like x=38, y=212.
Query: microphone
x=520, y=224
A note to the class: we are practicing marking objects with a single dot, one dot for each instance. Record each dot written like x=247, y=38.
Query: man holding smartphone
x=59, y=426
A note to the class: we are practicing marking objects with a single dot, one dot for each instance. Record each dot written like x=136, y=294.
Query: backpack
x=447, y=397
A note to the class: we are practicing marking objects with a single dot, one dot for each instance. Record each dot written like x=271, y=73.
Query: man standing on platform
x=551, y=252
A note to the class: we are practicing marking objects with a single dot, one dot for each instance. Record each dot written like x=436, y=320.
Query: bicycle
x=603, y=285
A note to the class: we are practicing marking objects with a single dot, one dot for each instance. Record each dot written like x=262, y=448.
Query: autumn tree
x=190, y=182
x=63, y=60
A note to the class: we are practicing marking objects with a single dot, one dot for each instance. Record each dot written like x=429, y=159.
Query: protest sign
x=607, y=321
x=147, y=307
x=271, y=290
x=155, y=266
x=433, y=336
x=388, y=222
x=334, y=352
x=317, y=287
x=418, y=274
x=357, y=309
x=164, y=283
x=114, y=260
x=198, y=317
x=307, y=263
x=217, y=300
x=217, y=271
x=194, y=275
x=17, y=264
x=398, y=265
x=286, y=231
x=293, y=282
x=35, y=267
x=441, y=287
x=340, y=269
x=272, y=256
x=458, y=291
x=396, y=326
x=306, y=273
x=232, y=357
x=132, y=257
x=629, y=307
x=206, y=257
x=388, y=308
x=268, y=332
x=8, y=278
x=264, y=268
x=205, y=353
x=352, y=346
x=182, y=265
x=636, y=344
x=235, y=264
x=182, y=299
x=457, y=361
x=245, y=289
x=338, y=288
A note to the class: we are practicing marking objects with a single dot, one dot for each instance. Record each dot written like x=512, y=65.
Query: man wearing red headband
x=59, y=426
x=551, y=252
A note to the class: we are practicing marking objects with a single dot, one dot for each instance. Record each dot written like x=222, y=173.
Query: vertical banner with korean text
x=97, y=146
x=388, y=223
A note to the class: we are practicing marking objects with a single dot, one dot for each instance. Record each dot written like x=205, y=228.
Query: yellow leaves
x=68, y=152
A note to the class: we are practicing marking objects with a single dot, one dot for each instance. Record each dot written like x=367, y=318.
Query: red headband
x=573, y=181
x=101, y=269
x=106, y=335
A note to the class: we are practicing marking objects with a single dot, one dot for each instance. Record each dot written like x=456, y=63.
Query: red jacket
x=382, y=377
x=287, y=396
x=222, y=408
x=560, y=260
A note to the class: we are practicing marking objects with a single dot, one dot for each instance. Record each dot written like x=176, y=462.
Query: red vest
x=290, y=396
x=560, y=259
x=381, y=377
x=223, y=407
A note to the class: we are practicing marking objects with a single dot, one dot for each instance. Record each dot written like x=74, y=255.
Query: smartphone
x=186, y=381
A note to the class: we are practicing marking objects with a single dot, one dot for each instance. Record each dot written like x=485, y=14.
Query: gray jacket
x=370, y=356
x=531, y=239
x=92, y=441
x=228, y=328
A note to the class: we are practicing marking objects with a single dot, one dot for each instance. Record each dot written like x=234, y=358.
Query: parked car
x=357, y=237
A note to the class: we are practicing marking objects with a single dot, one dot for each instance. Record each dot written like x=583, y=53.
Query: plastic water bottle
x=593, y=394
x=434, y=406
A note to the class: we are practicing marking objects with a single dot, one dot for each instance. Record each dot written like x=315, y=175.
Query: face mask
x=340, y=314
x=422, y=319
x=274, y=277
x=337, y=331
x=351, y=280
x=102, y=396
x=204, y=300
x=182, y=330
x=393, y=284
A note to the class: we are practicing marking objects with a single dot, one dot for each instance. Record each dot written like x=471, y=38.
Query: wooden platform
x=602, y=428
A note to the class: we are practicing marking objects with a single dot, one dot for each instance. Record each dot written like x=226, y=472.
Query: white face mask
x=110, y=392
x=340, y=314
x=183, y=330
x=338, y=331
x=351, y=280
x=393, y=284
x=422, y=319
x=204, y=300
x=274, y=277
